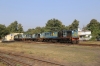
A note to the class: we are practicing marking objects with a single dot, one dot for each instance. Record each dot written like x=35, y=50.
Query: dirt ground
x=1, y=64
x=71, y=55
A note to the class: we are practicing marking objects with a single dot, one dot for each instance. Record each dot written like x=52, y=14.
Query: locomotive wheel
x=40, y=40
x=54, y=41
x=77, y=42
x=61, y=41
x=74, y=42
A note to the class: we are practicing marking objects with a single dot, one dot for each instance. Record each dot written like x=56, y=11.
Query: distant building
x=84, y=34
x=10, y=37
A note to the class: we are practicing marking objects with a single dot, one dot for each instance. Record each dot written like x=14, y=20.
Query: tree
x=38, y=30
x=63, y=27
x=74, y=25
x=15, y=27
x=20, y=28
x=67, y=27
x=43, y=29
x=3, y=31
x=53, y=25
x=30, y=31
x=94, y=27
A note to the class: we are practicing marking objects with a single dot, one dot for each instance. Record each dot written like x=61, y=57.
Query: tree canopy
x=94, y=27
x=74, y=25
x=3, y=31
x=54, y=25
x=15, y=27
x=20, y=28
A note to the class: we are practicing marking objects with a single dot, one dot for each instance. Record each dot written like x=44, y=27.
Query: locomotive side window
x=69, y=33
x=64, y=33
x=47, y=34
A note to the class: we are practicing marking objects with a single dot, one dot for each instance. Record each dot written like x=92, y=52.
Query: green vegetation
x=3, y=31
x=94, y=27
x=12, y=28
x=54, y=25
x=15, y=27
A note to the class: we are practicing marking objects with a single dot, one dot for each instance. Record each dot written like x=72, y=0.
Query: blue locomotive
x=68, y=36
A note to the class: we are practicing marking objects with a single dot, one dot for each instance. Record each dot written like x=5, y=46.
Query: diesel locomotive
x=66, y=36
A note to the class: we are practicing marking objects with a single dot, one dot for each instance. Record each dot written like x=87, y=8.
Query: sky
x=35, y=13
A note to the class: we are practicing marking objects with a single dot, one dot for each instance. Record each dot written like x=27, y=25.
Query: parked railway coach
x=48, y=36
x=68, y=36
x=26, y=37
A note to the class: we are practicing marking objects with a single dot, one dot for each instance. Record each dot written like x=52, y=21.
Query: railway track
x=95, y=45
x=57, y=43
x=12, y=62
x=11, y=59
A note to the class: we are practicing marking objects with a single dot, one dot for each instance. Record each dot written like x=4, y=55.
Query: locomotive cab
x=75, y=36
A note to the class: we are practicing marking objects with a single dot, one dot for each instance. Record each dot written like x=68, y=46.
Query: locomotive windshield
x=74, y=33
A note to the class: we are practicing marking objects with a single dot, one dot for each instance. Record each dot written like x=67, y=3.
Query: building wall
x=10, y=37
x=84, y=35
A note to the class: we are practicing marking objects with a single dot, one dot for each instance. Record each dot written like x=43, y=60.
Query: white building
x=84, y=35
x=10, y=37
